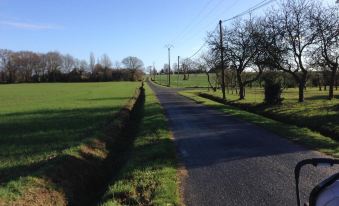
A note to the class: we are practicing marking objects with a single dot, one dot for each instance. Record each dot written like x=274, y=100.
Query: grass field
x=39, y=122
x=150, y=175
x=195, y=80
x=317, y=112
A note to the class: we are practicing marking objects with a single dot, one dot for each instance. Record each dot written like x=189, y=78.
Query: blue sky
x=118, y=28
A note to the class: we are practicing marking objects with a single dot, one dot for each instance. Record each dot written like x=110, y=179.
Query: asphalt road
x=232, y=162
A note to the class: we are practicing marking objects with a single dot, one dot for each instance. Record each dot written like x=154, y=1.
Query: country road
x=232, y=162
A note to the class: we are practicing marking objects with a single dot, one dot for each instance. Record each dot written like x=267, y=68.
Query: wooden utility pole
x=154, y=71
x=169, y=46
x=178, y=71
x=222, y=62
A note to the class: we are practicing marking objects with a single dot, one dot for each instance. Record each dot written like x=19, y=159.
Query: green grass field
x=317, y=112
x=195, y=80
x=39, y=122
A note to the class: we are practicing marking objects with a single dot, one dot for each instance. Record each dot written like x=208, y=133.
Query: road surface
x=232, y=162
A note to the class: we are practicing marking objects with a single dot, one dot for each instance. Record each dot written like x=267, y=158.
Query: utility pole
x=154, y=71
x=178, y=71
x=222, y=62
x=169, y=46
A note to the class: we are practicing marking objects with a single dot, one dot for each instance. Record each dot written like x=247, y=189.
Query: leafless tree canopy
x=27, y=66
x=91, y=61
x=133, y=63
x=106, y=61
x=294, y=37
x=325, y=54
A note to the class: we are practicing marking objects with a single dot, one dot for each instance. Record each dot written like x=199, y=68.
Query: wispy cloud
x=30, y=26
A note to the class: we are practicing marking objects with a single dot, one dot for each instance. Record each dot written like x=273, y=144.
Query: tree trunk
x=241, y=92
x=10, y=79
x=319, y=83
x=244, y=91
x=209, y=82
x=332, y=82
x=241, y=86
x=301, y=91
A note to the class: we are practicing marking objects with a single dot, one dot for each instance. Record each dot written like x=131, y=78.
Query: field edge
x=150, y=177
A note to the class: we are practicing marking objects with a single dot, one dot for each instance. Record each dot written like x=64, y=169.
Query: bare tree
x=41, y=70
x=106, y=61
x=165, y=68
x=241, y=51
x=174, y=68
x=27, y=61
x=27, y=66
x=91, y=62
x=117, y=65
x=290, y=38
x=209, y=64
x=53, y=64
x=133, y=63
x=187, y=66
x=149, y=69
x=6, y=65
x=83, y=66
x=68, y=63
x=325, y=23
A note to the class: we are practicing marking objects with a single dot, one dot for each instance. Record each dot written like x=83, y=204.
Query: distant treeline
x=28, y=66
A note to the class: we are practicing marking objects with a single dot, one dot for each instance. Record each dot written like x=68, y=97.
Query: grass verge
x=150, y=175
x=316, y=113
x=300, y=135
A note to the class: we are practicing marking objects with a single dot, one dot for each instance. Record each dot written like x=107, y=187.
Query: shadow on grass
x=32, y=144
x=37, y=135
x=143, y=175
x=105, y=99
x=320, y=97
x=325, y=124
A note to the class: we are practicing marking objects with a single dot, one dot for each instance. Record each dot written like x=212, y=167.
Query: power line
x=193, y=20
x=202, y=19
x=234, y=3
x=250, y=10
x=205, y=27
x=202, y=46
x=195, y=53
